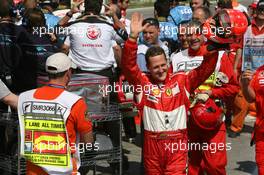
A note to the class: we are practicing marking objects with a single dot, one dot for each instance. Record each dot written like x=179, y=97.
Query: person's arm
x=247, y=90
x=129, y=58
x=117, y=52
x=69, y=14
x=65, y=49
x=8, y=97
x=78, y=122
x=111, y=11
x=229, y=89
x=11, y=100
x=198, y=75
x=87, y=137
x=237, y=60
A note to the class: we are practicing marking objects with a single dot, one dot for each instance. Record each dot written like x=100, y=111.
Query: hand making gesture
x=136, y=25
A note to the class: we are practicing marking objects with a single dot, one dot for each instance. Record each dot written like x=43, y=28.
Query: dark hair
x=118, y=12
x=34, y=18
x=29, y=3
x=151, y=21
x=5, y=8
x=162, y=8
x=57, y=75
x=154, y=51
x=172, y=1
x=122, y=1
x=93, y=6
x=206, y=10
x=206, y=3
x=225, y=4
x=195, y=23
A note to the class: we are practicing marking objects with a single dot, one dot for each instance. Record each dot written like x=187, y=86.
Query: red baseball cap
x=254, y=4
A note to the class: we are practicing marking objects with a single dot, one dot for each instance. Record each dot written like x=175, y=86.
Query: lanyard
x=57, y=86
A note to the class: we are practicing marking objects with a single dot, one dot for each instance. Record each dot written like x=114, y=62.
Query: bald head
x=201, y=14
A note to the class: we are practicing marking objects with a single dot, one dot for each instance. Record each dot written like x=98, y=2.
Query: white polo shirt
x=90, y=42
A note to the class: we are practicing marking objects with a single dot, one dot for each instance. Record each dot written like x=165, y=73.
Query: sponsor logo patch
x=93, y=32
x=152, y=99
x=168, y=92
x=156, y=92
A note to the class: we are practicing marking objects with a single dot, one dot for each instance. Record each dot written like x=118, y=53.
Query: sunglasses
x=260, y=9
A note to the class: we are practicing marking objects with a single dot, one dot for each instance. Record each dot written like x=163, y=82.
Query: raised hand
x=136, y=24
x=246, y=77
x=76, y=7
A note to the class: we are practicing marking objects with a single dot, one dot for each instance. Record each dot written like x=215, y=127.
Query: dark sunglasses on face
x=260, y=9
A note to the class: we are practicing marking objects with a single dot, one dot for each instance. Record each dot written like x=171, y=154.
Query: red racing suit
x=164, y=108
x=257, y=84
x=212, y=160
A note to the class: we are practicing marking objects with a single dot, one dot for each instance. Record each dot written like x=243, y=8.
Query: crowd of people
x=200, y=85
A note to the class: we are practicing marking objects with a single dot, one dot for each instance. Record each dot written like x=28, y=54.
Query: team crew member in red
x=253, y=90
x=254, y=31
x=222, y=84
x=49, y=106
x=164, y=102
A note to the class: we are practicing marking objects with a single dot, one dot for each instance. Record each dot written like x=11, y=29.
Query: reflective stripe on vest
x=44, y=138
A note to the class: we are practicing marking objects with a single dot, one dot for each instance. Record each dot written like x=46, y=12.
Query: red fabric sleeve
x=77, y=121
x=232, y=87
x=129, y=65
x=198, y=75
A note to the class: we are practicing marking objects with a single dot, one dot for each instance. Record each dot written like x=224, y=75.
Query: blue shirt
x=51, y=20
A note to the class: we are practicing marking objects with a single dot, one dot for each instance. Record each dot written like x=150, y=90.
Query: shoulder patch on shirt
x=156, y=92
x=168, y=92
x=175, y=90
x=152, y=99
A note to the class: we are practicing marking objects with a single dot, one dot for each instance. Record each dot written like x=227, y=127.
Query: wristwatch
x=69, y=14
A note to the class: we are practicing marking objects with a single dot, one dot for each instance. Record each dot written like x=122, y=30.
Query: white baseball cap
x=59, y=62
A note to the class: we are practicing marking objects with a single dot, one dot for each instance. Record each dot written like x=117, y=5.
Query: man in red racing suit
x=165, y=101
